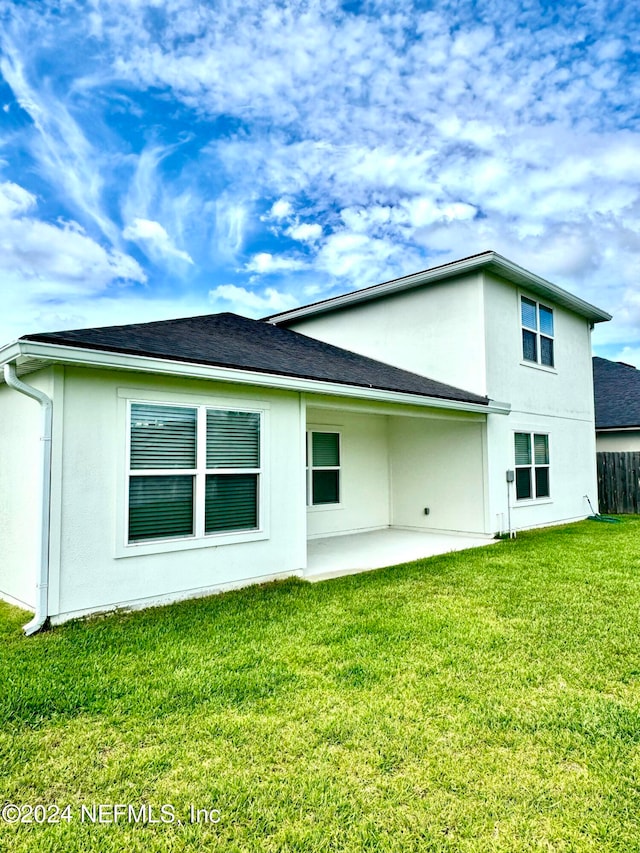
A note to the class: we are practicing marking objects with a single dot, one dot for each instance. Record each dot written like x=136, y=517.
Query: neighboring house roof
x=616, y=389
x=487, y=261
x=228, y=340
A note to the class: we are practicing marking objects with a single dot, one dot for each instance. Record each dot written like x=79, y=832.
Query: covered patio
x=347, y=554
x=387, y=485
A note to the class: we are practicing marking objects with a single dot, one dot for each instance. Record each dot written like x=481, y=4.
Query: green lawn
x=487, y=700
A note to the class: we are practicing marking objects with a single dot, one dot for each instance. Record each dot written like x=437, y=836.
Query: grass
x=487, y=700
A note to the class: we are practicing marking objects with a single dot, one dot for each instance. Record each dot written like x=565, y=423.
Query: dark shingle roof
x=227, y=340
x=617, y=394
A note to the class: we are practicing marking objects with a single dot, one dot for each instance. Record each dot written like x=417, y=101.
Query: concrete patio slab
x=334, y=556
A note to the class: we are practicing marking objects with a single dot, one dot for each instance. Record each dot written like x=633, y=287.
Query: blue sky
x=162, y=159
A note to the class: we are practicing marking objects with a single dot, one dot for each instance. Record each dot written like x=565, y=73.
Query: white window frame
x=534, y=498
x=538, y=335
x=310, y=468
x=198, y=539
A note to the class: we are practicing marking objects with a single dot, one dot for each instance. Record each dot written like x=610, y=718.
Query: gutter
x=42, y=581
x=66, y=354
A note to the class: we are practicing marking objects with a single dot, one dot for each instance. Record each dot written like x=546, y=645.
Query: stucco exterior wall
x=439, y=464
x=436, y=330
x=624, y=441
x=92, y=574
x=364, y=474
x=20, y=489
x=565, y=390
x=572, y=471
x=558, y=402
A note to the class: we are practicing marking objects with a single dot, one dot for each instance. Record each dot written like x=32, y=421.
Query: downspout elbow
x=42, y=582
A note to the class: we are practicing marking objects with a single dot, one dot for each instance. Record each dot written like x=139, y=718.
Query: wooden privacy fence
x=619, y=482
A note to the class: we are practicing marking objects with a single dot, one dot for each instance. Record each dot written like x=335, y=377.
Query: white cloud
x=459, y=210
x=265, y=263
x=385, y=138
x=60, y=146
x=175, y=200
x=610, y=49
x=281, y=209
x=360, y=260
x=54, y=259
x=88, y=310
x=628, y=355
x=145, y=183
x=373, y=219
x=250, y=303
x=154, y=238
x=306, y=232
x=62, y=259
x=473, y=42
x=424, y=211
x=50, y=269
x=15, y=200
x=229, y=218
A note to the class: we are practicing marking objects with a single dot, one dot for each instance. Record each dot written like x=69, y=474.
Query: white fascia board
x=147, y=364
x=489, y=261
x=522, y=277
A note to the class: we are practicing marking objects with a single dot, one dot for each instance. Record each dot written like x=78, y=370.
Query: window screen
x=162, y=436
x=323, y=448
x=160, y=507
x=231, y=502
x=531, y=452
x=215, y=491
x=537, y=332
x=326, y=449
x=233, y=439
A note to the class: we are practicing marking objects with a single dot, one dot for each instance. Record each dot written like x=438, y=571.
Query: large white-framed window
x=323, y=468
x=537, y=332
x=532, y=465
x=194, y=471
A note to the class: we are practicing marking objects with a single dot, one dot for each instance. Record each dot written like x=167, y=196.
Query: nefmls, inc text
x=107, y=813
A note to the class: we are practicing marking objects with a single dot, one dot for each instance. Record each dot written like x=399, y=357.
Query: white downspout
x=42, y=581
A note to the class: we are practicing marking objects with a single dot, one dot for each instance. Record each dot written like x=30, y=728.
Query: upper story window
x=537, y=332
x=193, y=471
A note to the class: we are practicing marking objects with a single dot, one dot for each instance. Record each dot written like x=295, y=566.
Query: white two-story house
x=145, y=463
x=484, y=324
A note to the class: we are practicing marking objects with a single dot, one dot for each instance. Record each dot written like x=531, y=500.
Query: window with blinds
x=531, y=465
x=323, y=468
x=537, y=332
x=193, y=471
x=233, y=453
